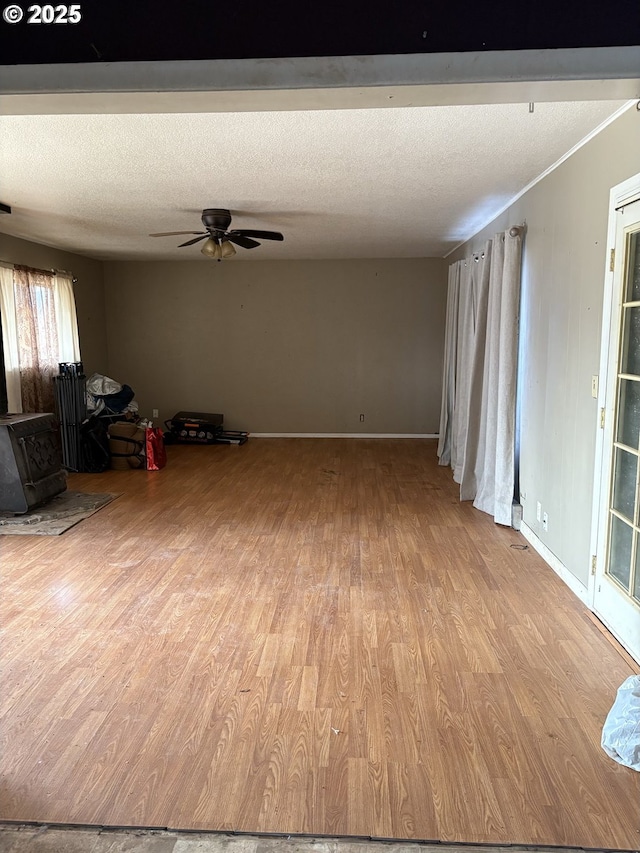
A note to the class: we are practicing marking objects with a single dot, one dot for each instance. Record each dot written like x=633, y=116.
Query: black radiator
x=71, y=405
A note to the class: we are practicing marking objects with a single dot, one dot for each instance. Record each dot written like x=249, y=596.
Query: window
x=39, y=330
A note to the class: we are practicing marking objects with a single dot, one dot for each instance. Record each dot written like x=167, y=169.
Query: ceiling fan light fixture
x=217, y=238
x=211, y=249
x=227, y=250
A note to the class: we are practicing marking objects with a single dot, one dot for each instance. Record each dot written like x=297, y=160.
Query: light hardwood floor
x=305, y=636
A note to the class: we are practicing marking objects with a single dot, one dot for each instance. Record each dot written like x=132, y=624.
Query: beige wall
x=89, y=292
x=283, y=346
x=566, y=215
x=307, y=346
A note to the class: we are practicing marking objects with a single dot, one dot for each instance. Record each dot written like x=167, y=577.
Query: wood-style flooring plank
x=304, y=636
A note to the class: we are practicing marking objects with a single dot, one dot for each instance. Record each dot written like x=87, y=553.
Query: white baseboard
x=342, y=435
x=559, y=568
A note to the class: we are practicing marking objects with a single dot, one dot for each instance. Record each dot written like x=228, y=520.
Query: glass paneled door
x=617, y=588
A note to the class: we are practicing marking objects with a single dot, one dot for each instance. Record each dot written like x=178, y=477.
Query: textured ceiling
x=404, y=182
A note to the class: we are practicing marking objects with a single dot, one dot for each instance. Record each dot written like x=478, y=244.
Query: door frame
x=622, y=194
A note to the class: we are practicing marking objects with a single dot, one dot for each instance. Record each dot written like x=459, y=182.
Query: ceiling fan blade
x=261, y=235
x=239, y=240
x=191, y=242
x=174, y=233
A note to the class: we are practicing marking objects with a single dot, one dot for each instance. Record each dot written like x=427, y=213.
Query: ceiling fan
x=218, y=238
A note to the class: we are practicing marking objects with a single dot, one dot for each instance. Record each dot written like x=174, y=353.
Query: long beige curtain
x=39, y=329
x=449, y=372
x=66, y=317
x=477, y=424
x=10, y=337
x=37, y=338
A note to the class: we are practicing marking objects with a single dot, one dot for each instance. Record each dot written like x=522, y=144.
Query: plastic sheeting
x=106, y=396
x=99, y=385
x=621, y=731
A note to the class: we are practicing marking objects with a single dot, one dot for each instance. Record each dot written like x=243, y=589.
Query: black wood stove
x=31, y=469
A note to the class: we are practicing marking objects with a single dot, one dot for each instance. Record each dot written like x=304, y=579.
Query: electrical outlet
x=545, y=521
x=361, y=418
x=155, y=413
x=539, y=511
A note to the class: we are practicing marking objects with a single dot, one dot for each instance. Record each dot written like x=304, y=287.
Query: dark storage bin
x=194, y=427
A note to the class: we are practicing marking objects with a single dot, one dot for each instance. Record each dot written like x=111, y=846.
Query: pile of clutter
x=128, y=440
x=106, y=397
x=136, y=445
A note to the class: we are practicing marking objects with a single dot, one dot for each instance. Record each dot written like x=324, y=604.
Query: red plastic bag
x=155, y=450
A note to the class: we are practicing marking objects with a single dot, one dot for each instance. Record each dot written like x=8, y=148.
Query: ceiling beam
x=347, y=82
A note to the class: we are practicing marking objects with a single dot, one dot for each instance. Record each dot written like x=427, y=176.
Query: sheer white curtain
x=449, y=372
x=67, y=320
x=477, y=425
x=37, y=332
x=10, y=338
x=467, y=305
